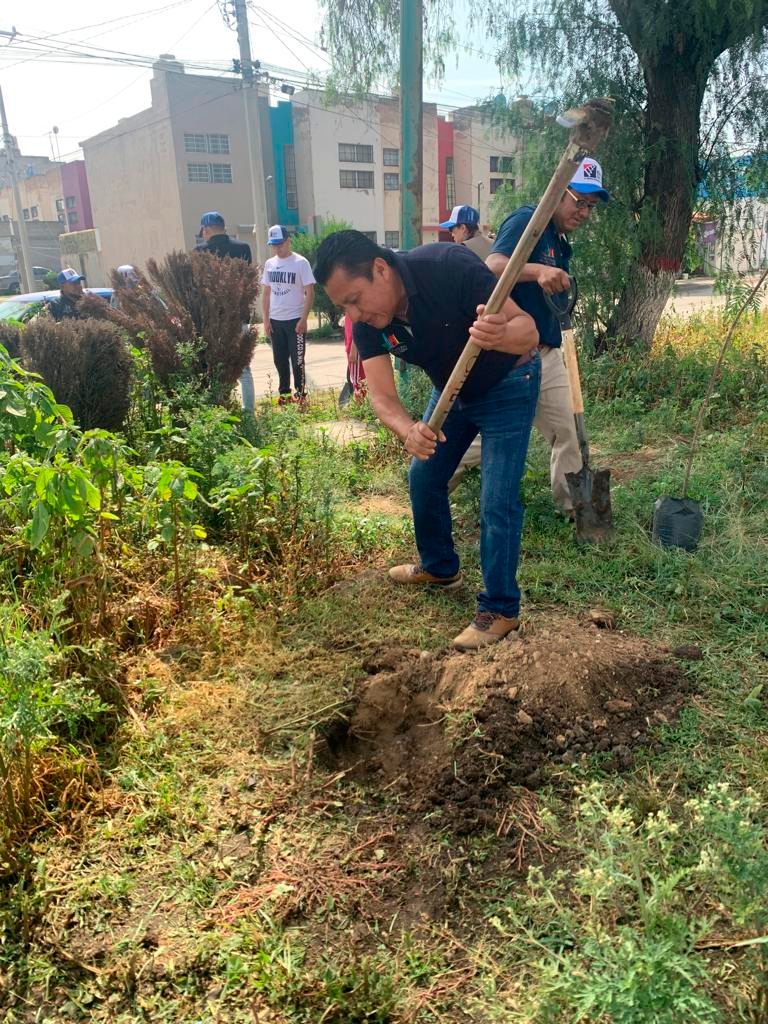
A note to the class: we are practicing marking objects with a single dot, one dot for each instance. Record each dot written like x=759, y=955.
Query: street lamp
x=479, y=186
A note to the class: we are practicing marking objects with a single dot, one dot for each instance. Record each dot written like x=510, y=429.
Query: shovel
x=590, y=489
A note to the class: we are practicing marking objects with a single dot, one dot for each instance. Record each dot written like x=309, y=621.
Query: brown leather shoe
x=486, y=628
x=411, y=573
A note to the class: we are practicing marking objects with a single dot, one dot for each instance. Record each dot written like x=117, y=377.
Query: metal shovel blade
x=591, y=497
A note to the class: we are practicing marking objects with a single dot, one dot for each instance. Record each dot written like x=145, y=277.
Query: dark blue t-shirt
x=445, y=285
x=551, y=249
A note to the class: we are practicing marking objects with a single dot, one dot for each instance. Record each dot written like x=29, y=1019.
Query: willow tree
x=689, y=77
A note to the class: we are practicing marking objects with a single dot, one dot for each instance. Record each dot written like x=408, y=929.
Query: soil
x=461, y=733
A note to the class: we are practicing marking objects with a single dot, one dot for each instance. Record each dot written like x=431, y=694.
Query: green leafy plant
x=172, y=491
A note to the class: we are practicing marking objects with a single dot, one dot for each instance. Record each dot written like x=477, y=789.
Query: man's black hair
x=351, y=250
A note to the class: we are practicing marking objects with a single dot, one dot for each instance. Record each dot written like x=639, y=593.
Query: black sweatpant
x=288, y=351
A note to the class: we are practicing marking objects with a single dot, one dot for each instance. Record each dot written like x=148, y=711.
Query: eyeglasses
x=581, y=204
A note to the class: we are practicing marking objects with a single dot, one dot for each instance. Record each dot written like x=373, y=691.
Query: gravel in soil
x=461, y=732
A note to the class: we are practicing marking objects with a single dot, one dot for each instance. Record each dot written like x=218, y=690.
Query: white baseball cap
x=589, y=179
x=277, y=235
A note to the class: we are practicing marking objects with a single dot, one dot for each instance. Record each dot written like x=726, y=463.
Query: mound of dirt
x=458, y=731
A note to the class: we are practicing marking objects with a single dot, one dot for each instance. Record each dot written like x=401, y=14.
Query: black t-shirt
x=553, y=250
x=223, y=245
x=445, y=285
x=64, y=308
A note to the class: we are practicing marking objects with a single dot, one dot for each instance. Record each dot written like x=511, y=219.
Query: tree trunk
x=675, y=82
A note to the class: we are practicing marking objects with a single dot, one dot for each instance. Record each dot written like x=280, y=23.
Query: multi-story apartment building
x=50, y=190
x=153, y=174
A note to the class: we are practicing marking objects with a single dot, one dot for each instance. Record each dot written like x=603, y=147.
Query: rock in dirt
x=688, y=652
x=603, y=618
x=524, y=718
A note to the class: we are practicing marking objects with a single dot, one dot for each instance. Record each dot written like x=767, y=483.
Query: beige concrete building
x=485, y=159
x=348, y=164
x=153, y=174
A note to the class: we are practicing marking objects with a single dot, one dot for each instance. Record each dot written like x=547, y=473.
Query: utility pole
x=252, y=134
x=479, y=186
x=411, y=122
x=25, y=264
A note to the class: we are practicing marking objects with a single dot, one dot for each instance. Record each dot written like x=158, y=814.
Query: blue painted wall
x=281, y=124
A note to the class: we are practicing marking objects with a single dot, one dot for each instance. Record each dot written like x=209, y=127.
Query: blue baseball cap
x=69, y=276
x=277, y=235
x=462, y=215
x=588, y=180
x=212, y=220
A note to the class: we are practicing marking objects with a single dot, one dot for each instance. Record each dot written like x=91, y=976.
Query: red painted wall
x=74, y=183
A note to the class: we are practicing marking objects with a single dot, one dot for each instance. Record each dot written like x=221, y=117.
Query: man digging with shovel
x=547, y=271
x=420, y=306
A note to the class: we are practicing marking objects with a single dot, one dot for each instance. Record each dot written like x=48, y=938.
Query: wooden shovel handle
x=572, y=366
x=536, y=226
x=588, y=125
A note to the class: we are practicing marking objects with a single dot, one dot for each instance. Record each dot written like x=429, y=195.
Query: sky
x=43, y=87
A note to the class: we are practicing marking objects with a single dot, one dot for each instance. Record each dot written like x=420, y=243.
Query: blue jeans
x=503, y=417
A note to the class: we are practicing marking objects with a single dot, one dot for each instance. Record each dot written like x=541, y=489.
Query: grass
x=225, y=872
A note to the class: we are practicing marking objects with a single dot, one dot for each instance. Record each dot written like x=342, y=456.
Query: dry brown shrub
x=191, y=297
x=10, y=338
x=87, y=366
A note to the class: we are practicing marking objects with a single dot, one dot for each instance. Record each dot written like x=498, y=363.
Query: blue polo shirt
x=445, y=285
x=551, y=249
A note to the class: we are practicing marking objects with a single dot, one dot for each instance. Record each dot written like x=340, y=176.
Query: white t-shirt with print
x=287, y=278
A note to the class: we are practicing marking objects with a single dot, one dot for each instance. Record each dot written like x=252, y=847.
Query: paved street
x=327, y=361
x=326, y=367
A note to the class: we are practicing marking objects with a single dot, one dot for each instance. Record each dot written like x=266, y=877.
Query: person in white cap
x=547, y=271
x=287, y=295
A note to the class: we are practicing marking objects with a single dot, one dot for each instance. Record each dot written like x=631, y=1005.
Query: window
x=356, y=179
x=218, y=144
x=62, y=218
x=502, y=164
x=34, y=213
x=391, y=157
x=25, y=214
x=197, y=142
x=289, y=170
x=450, y=184
x=496, y=184
x=392, y=239
x=221, y=174
x=72, y=217
x=71, y=202
x=391, y=182
x=59, y=205
x=194, y=143
x=369, y=234
x=198, y=173
x=352, y=153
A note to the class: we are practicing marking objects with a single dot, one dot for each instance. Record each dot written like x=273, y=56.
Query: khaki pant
x=554, y=421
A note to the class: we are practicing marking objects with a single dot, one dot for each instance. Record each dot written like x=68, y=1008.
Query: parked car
x=11, y=283
x=24, y=307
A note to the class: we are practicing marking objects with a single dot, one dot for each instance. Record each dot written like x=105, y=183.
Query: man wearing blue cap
x=464, y=225
x=288, y=291
x=70, y=293
x=213, y=232
x=547, y=271
x=215, y=240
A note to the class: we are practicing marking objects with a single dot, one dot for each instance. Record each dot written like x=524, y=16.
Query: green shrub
x=307, y=246
x=86, y=365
